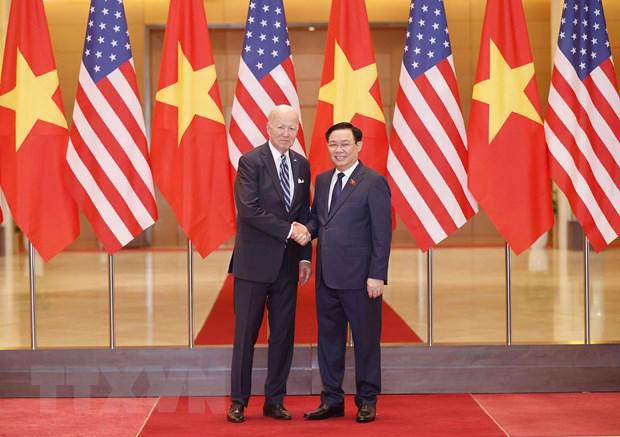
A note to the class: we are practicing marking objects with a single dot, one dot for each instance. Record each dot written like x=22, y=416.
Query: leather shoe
x=277, y=411
x=235, y=413
x=366, y=413
x=325, y=412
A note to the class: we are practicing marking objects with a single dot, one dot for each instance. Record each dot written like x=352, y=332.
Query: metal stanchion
x=586, y=284
x=33, y=319
x=190, y=295
x=111, y=300
x=429, y=284
x=508, y=295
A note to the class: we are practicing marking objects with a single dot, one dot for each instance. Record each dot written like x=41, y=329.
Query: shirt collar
x=276, y=153
x=348, y=172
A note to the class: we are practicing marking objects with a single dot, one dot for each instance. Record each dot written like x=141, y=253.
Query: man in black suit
x=271, y=255
x=352, y=217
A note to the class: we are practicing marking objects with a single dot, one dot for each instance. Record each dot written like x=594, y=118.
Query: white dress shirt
x=345, y=179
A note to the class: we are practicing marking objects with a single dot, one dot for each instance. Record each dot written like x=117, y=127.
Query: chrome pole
x=508, y=295
x=429, y=284
x=586, y=280
x=111, y=300
x=190, y=295
x=33, y=319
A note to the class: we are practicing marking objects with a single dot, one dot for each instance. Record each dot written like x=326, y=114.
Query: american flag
x=266, y=78
x=107, y=151
x=583, y=121
x=427, y=159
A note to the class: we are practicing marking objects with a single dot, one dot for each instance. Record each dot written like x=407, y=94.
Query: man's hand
x=305, y=269
x=374, y=287
x=300, y=234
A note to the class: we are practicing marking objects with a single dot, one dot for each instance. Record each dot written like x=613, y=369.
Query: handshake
x=300, y=234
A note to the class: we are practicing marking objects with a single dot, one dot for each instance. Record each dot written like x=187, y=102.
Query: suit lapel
x=327, y=177
x=354, y=180
x=267, y=158
x=295, y=167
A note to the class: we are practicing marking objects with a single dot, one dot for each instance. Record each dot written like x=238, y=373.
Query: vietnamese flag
x=508, y=163
x=189, y=152
x=33, y=134
x=350, y=87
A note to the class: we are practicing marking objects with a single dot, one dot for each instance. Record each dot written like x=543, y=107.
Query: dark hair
x=357, y=133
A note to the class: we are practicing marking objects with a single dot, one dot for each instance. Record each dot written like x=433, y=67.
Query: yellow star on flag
x=349, y=91
x=31, y=99
x=190, y=94
x=504, y=91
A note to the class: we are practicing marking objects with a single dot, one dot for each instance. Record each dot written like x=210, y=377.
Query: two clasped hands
x=300, y=234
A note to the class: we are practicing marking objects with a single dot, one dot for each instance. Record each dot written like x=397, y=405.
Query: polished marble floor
x=469, y=296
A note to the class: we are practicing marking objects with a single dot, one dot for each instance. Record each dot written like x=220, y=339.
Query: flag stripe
x=578, y=121
x=105, y=209
x=105, y=184
x=122, y=84
x=106, y=161
x=415, y=200
x=564, y=67
x=427, y=116
x=581, y=186
x=581, y=140
x=432, y=176
x=580, y=163
x=98, y=130
x=116, y=126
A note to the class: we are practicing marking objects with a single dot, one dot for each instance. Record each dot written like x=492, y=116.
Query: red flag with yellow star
x=189, y=153
x=33, y=134
x=350, y=87
x=508, y=163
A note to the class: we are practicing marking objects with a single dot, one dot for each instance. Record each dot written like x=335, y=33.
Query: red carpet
x=397, y=416
x=218, y=327
x=85, y=417
x=555, y=414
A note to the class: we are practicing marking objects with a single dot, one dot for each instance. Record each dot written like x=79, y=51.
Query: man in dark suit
x=352, y=217
x=272, y=199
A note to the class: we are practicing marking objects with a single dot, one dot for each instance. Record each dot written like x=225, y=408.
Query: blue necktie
x=337, y=190
x=284, y=182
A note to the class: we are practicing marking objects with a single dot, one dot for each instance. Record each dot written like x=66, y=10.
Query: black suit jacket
x=262, y=220
x=355, y=235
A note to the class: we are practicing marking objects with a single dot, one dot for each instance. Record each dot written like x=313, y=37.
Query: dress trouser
x=249, y=302
x=334, y=309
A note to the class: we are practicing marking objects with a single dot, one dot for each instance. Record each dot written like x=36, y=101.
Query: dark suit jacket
x=355, y=236
x=262, y=220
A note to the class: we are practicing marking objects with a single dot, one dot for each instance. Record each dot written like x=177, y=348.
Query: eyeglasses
x=343, y=146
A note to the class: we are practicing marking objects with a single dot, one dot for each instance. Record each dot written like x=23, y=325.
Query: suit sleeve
x=313, y=220
x=248, y=203
x=380, y=208
x=304, y=217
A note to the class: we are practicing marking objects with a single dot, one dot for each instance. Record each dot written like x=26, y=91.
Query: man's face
x=343, y=150
x=282, y=128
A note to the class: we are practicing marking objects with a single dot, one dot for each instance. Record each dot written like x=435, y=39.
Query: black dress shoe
x=366, y=413
x=235, y=413
x=325, y=412
x=277, y=411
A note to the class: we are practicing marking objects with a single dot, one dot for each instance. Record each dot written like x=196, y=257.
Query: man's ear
x=360, y=144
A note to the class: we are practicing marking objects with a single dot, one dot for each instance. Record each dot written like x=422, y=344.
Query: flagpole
x=33, y=320
x=586, y=284
x=429, y=284
x=508, y=295
x=190, y=295
x=111, y=300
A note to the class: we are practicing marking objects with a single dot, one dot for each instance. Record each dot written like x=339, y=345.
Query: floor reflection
x=468, y=296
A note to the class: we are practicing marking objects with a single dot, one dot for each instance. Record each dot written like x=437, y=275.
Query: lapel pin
x=300, y=181
x=352, y=182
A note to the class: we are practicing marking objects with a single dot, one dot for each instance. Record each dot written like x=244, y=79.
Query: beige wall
x=67, y=19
